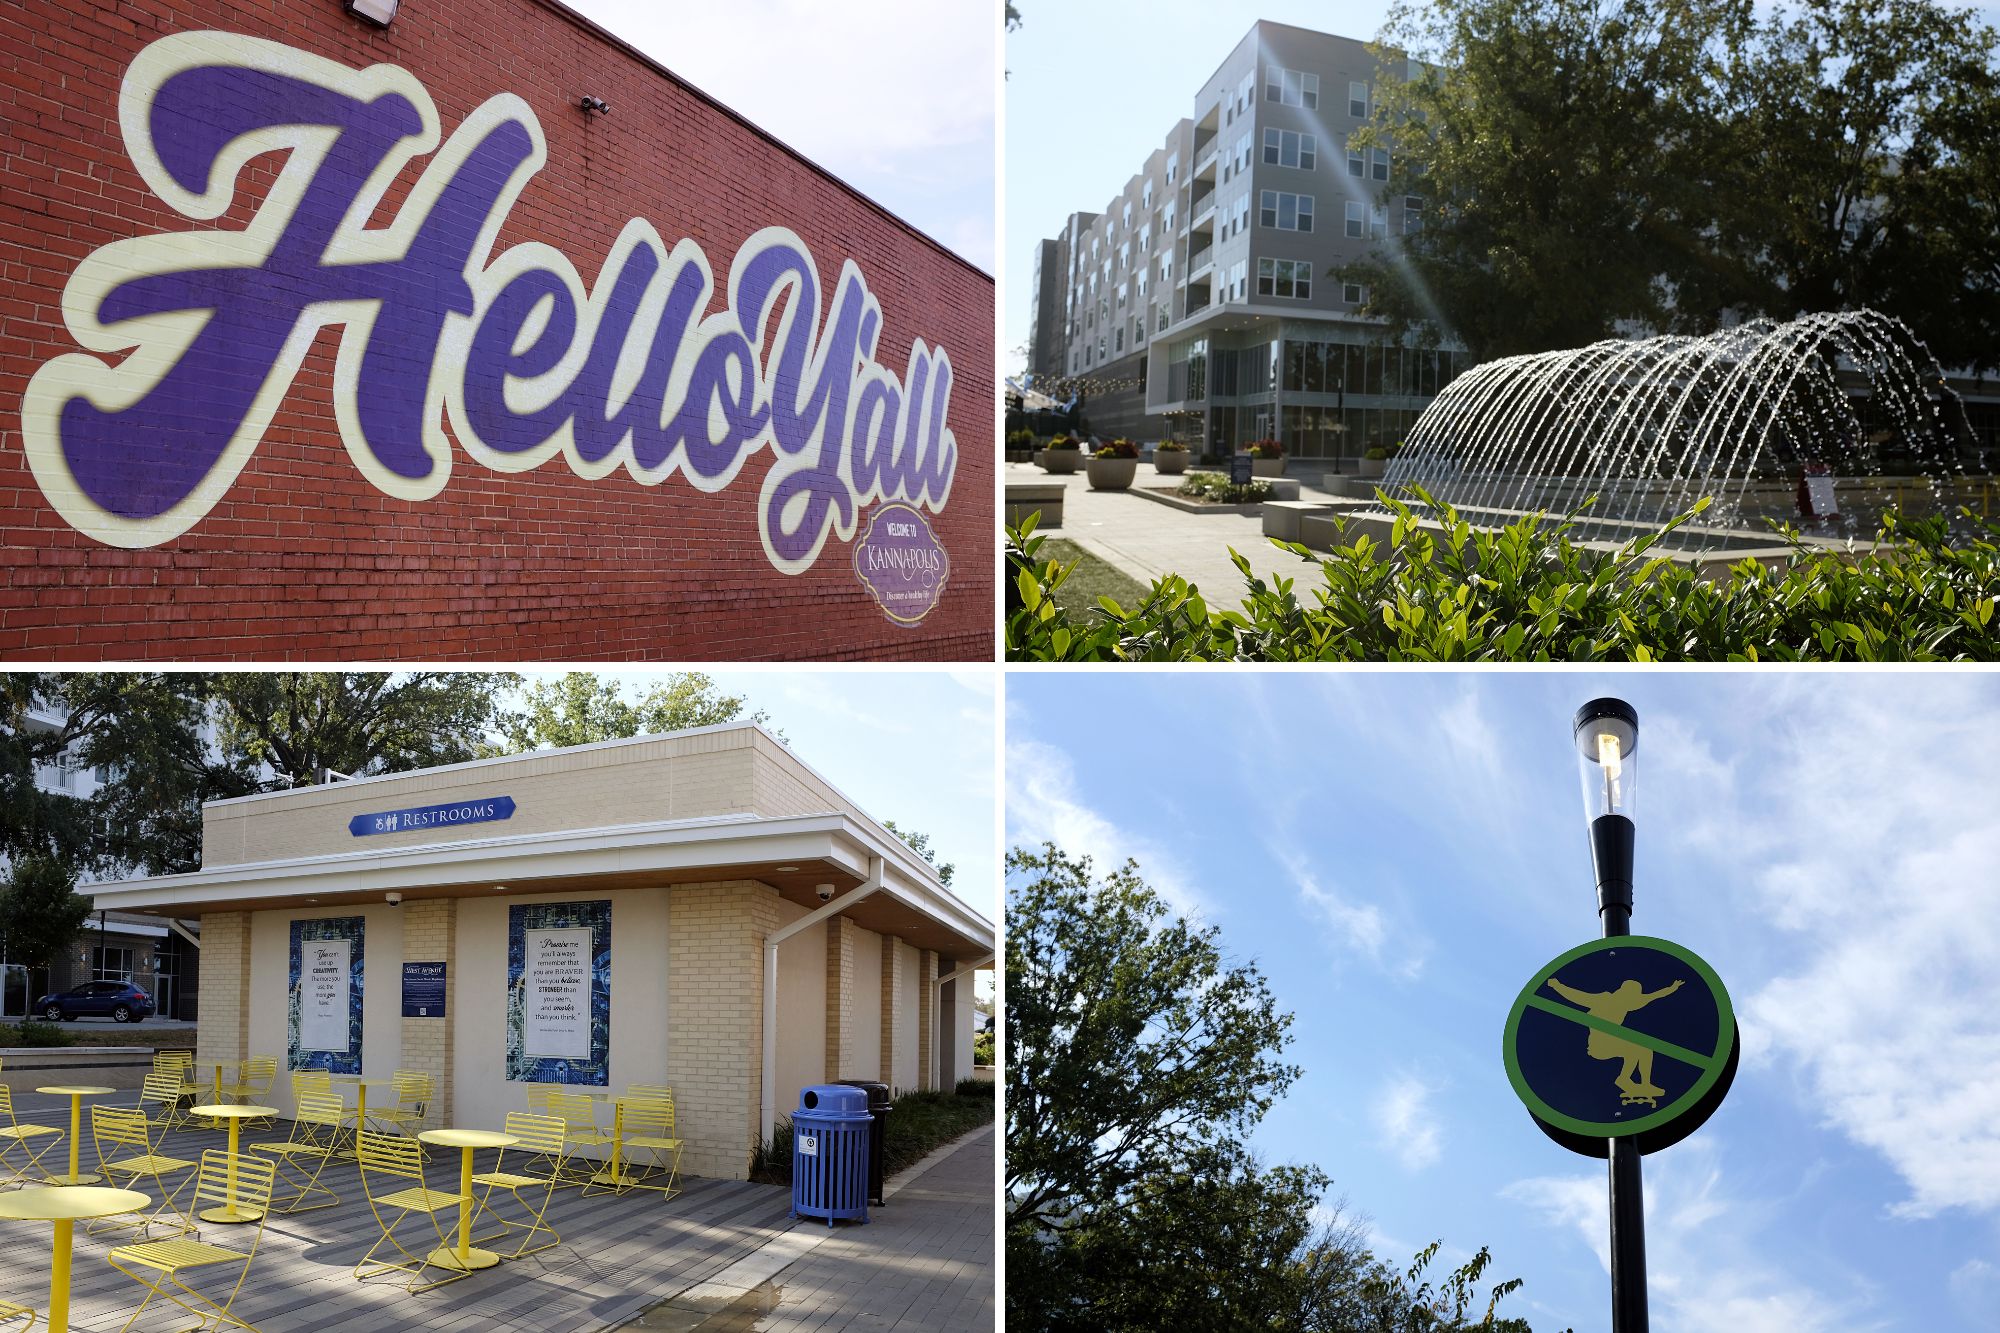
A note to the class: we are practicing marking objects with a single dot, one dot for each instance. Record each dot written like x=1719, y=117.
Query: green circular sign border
x=1688, y=1101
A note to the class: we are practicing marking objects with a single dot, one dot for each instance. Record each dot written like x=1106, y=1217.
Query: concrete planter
x=1267, y=467
x=1062, y=462
x=1112, y=474
x=1170, y=463
x=1371, y=467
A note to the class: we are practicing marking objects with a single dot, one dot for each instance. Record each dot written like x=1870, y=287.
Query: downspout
x=771, y=942
x=937, y=1013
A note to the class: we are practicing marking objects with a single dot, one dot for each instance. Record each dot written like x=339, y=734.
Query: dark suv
x=119, y=1000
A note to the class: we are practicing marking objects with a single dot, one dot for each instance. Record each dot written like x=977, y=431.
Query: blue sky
x=1071, y=144
x=897, y=97
x=912, y=746
x=1399, y=852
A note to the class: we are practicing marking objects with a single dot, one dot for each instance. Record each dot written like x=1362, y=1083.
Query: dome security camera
x=393, y=898
x=825, y=893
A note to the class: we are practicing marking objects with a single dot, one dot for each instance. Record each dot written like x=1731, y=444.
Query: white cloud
x=1406, y=1123
x=1873, y=843
x=1355, y=928
x=1044, y=804
x=1701, y=1243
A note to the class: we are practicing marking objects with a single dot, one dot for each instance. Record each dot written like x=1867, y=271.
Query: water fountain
x=1650, y=426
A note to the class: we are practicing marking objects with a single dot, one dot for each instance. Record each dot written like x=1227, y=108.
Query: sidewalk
x=925, y=1261
x=1149, y=541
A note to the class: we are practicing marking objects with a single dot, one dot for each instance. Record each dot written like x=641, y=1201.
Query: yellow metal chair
x=538, y=1097
x=542, y=1140
x=247, y=1184
x=649, y=1128
x=9, y=1310
x=579, y=1116
x=14, y=1134
x=127, y=1128
x=386, y=1160
x=414, y=1094
x=652, y=1092
x=162, y=1091
x=252, y=1083
x=301, y=1158
x=181, y=1065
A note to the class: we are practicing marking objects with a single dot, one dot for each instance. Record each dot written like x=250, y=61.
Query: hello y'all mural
x=192, y=338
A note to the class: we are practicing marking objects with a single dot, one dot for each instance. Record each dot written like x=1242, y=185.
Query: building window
x=1173, y=168
x=1357, y=219
x=1353, y=293
x=1146, y=194
x=1287, y=148
x=1286, y=212
x=112, y=964
x=1290, y=87
x=1357, y=100
x=1162, y=326
x=1380, y=161
x=1287, y=278
x=1118, y=339
x=1357, y=162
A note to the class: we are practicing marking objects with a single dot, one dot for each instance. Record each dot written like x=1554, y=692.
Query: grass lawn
x=919, y=1123
x=1091, y=579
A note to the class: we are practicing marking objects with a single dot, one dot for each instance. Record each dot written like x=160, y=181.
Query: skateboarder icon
x=1613, y=1007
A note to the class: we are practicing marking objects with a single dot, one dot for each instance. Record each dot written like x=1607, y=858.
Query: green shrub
x=975, y=1087
x=1376, y=455
x=34, y=1032
x=1216, y=488
x=1021, y=439
x=1528, y=593
x=982, y=1047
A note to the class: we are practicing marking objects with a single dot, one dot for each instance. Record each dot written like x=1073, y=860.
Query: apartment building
x=1199, y=304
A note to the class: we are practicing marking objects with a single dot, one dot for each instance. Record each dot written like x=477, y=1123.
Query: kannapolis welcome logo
x=193, y=338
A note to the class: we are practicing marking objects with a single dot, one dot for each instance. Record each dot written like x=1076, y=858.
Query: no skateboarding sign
x=1624, y=1036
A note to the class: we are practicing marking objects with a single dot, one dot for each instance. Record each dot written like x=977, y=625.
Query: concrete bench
x=1317, y=530
x=1028, y=497
x=1282, y=517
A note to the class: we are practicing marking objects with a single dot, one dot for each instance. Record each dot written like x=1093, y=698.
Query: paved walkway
x=924, y=1262
x=1149, y=541
x=926, y=1257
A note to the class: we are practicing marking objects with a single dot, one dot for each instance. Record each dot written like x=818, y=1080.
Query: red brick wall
x=305, y=559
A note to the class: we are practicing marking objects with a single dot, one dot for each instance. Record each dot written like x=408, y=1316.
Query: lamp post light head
x=1607, y=742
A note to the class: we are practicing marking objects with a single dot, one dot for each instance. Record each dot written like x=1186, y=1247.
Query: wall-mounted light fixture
x=380, y=13
x=595, y=104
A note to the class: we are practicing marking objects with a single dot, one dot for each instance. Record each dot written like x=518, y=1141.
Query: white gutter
x=937, y=1012
x=839, y=904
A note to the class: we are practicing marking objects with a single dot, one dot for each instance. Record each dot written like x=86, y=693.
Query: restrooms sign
x=191, y=339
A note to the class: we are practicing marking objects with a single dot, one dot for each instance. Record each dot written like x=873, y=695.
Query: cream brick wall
x=927, y=975
x=222, y=1008
x=674, y=777
x=894, y=956
x=715, y=1048
x=840, y=984
x=429, y=936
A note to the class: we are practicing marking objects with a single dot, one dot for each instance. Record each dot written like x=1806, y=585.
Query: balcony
x=1200, y=262
x=1203, y=211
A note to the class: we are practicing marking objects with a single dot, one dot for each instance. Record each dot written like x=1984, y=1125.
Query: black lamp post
x=1607, y=739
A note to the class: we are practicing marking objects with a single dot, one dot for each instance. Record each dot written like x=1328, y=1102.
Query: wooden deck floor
x=618, y=1255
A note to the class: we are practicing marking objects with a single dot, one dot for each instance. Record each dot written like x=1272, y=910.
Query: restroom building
x=699, y=909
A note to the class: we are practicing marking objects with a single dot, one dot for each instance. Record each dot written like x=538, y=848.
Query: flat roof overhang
x=817, y=849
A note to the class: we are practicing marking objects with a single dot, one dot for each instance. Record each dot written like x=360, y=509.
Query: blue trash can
x=830, y=1153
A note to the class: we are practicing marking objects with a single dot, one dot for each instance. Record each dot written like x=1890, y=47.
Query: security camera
x=393, y=899
x=595, y=104
x=826, y=893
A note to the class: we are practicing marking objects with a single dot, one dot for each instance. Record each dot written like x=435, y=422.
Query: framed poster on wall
x=324, y=1020
x=559, y=993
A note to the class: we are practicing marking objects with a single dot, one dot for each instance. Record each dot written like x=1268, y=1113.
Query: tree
x=920, y=843
x=172, y=740
x=1561, y=150
x=33, y=821
x=1137, y=1060
x=41, y=913
x=581, y=708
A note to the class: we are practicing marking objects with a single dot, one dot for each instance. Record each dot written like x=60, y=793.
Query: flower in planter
x=1118, y=449
x=1170, y=447
x=1266, y=449
x=1064, y=442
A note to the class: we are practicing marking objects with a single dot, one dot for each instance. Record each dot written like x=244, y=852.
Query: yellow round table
x=76, y=1092
x=235, y=1115
x=464, y=1257
x=63, y=1205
